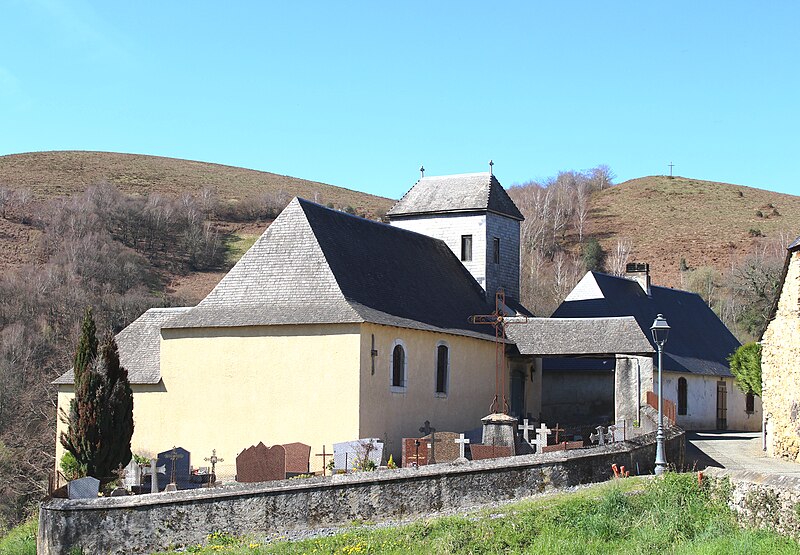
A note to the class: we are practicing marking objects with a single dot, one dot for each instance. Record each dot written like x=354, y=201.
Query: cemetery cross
x=557, y=431
x=173, y=456
x=462, y=442
x=427, y=429
x=213, y=459
x=498, y=320
x=541, y=438
x=324, y=456
x=526, y=428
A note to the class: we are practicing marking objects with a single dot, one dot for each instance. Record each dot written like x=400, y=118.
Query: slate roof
x=316, y=265
x=579, y=337
x=699, y=343
x=139, y=347
x=468, y=192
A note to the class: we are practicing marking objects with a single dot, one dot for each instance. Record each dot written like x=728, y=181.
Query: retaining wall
x=146, y=523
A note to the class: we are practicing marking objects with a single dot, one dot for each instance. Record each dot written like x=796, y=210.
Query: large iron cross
x=499, y=321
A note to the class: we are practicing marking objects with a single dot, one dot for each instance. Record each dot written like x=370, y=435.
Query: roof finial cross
x=491, y=163
x=422, y=171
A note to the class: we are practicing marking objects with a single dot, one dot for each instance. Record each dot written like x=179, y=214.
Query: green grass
x=237, y=245
x=20, y=540
x=632, y=516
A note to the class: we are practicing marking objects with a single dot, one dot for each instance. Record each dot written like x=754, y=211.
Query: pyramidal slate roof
x=468, y=192
x=139, y=347
x=699, y=343
x=579, y=337
x=316, y=265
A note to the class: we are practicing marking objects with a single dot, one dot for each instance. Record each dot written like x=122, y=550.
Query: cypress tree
x=101, y=414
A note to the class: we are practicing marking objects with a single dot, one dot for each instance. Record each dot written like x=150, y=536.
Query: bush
x=746, y=367
x=593, y=255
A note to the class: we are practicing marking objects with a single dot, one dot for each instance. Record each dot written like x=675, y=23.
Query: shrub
x=593, y=255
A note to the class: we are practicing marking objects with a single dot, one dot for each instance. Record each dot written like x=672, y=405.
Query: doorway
x=722, y=406
x=517, y=394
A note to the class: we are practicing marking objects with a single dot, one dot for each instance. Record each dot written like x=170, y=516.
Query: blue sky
x=359, y=94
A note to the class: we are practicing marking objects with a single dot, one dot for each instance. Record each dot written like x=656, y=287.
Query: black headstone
x=181, y=469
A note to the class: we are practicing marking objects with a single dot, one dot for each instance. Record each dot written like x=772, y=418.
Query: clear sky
x=359, y=94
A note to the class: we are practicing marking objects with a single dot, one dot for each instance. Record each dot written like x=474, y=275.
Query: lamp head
x=660, y=330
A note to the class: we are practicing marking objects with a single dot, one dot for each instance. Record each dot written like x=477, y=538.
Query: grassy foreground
x=672, y=515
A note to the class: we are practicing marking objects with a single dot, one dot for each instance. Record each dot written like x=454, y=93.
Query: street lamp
x=660, y=331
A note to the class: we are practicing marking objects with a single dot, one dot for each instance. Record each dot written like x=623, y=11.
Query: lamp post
x=660, y=331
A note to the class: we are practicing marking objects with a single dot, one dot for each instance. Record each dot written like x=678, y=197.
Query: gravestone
x=83, y=488
x=526, y=430
x=617, y=431
x=180, y=468
x=153, y=472
x=601, y=437
x=446, y=447
x=414, y=455
x=297, y=457
x=347, y=453
x=462, y=443
x=480, y=452
x=259, y=463
x=541, y=438
x=133, y=475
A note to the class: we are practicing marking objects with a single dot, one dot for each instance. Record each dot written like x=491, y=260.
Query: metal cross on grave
x=427, y=429
x=120, y=473
x=213, y=459
x=498, y=319
x=462, y=442
x=324, y=456
x=557, y=431
x=173, y=456
x=541, y=438
x=526, y=428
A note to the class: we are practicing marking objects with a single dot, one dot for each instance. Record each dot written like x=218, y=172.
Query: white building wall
x=449, y=228
x=701, y=403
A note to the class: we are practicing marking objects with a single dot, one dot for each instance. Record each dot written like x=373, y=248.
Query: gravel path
x=734, y=451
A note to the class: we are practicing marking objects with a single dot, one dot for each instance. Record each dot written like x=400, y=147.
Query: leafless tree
x=617, y=259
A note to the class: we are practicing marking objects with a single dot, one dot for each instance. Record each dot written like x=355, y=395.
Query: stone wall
x=150, y=522
x=781, y=371
x=764, y=501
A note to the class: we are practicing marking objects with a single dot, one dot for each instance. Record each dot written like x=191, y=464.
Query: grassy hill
x=704, y=222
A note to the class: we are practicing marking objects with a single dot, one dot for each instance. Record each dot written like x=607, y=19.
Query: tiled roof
x=469, y=192
x=317, y=265
x=579, y=337
x=698, y=343
x=139, y=347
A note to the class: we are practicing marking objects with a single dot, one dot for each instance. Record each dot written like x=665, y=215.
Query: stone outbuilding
x=780, y=371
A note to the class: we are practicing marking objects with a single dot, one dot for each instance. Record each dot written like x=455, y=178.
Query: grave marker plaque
x=180, y=468
x=446, y=447
x=251, y=464
x=83, y=488
x=481, y=452
x=297, y=457
x=410, y=452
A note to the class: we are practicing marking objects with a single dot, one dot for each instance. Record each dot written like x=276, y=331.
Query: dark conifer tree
x=101, y=414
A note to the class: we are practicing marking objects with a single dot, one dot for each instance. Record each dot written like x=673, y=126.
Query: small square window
x=497, y=250
x=466, y=248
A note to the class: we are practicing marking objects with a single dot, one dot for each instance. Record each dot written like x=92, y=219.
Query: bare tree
x=5, y=200
x=618, y=257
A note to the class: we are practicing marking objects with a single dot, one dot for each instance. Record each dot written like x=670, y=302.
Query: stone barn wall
x=780, y=369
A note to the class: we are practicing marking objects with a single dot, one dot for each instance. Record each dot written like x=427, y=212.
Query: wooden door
x=722, y=406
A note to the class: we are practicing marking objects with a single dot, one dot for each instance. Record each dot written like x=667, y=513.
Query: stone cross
x=599, y=437
x=154, y=475
x=526, y=428
x=557, y=430
x=174, y=456
x=541, y=438
x=611, y=433
x=324, y=456
x=462, y=442
x=427, y=429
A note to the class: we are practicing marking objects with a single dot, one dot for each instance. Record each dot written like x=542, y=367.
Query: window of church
x=466, y=248
x=497, y=250
x=682, y=396
x=442, y=369
x=399, y=367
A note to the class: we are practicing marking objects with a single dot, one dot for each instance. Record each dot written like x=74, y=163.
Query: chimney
x=639, y=272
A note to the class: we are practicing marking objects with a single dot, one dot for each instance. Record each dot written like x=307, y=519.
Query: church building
x=333, y=328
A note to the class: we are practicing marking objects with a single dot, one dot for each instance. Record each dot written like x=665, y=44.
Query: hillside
x=59, y=173
x=705, y=222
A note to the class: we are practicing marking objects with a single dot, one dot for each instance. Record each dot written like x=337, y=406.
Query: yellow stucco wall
x=229, y=388
x=388, y=413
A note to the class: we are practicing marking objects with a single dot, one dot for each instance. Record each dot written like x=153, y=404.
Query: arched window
x=442, y=368
x=398, y=365
x=682, y=396
x=749, y=403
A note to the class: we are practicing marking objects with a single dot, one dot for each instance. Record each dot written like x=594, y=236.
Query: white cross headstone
x=541, y=437
x=154, y=471
x=132, y=475
x=462, y=441
x=526, y=428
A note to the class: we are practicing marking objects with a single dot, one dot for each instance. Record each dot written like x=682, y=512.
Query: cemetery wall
x=780, y=372
x=764, y=501
x=150, y=522
x=399, y=412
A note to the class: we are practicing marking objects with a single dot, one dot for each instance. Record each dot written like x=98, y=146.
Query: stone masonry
x=781, y=371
